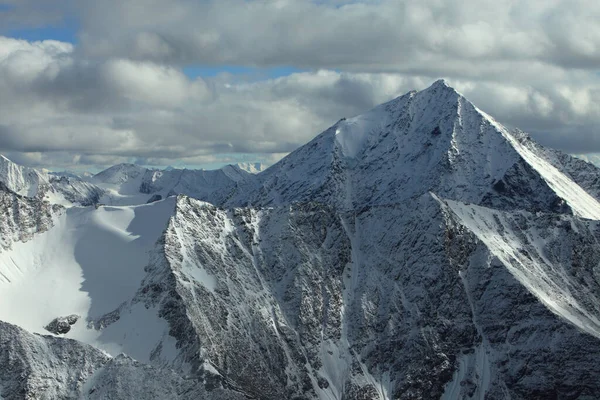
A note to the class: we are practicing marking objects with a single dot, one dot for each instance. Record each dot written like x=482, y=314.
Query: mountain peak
x=414, y=113
x=125, y=166
x=119, y=173
x=440, y=83
x=323, y=270
x=440, y=88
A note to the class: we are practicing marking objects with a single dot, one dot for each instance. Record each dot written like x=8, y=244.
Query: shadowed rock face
x=420, y=250
x=75, y=190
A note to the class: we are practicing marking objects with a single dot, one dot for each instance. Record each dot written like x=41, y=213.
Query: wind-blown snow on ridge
x=582, y=203
x=253, y=168
x=524, y=249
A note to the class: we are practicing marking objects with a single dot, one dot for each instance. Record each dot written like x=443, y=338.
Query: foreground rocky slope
x=45, y=367
x=420, y=250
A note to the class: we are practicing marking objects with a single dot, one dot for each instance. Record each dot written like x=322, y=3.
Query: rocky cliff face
x=73, y=191
x=421, y=250
x=22, y=216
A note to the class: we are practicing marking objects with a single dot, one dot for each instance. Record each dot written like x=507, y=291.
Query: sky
x=88, y=84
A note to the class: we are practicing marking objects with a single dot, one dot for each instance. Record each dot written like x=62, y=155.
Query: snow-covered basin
x=88, y=264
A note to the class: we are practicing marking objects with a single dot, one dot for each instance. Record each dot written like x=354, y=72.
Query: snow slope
x=582, y=203
x=90, y=262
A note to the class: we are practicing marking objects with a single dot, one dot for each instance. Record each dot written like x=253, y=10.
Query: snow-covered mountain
x=21, y=180
x=420, y=250
x=54, y=188
x=434, y=140
x=128, y=184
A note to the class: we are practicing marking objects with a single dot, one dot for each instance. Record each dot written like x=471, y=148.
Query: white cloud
x=150, y=83
x=121, y=93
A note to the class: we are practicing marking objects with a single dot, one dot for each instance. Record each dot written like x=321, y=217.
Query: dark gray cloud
x=587, y=138
x=370, y=35
x=25, y=14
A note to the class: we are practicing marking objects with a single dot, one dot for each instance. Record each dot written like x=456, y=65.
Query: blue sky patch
x=252, y=73
x=65, y=31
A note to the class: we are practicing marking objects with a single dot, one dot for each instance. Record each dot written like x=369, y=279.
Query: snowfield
x=88, y=264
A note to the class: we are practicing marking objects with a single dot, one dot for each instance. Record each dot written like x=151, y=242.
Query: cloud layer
x=368, y=35
x=120, y=93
